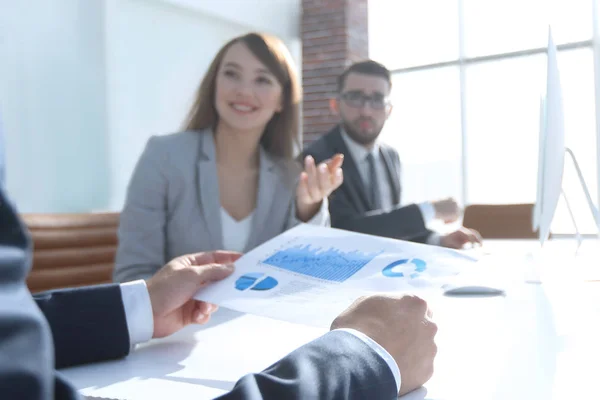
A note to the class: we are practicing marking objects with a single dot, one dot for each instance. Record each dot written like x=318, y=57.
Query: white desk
x=540, y=341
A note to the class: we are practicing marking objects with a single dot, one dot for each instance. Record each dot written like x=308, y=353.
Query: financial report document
x=310, y=274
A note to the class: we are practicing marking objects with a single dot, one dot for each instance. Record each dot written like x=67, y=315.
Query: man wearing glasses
x=368, y=201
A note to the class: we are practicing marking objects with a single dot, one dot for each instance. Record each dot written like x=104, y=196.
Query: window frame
x=462, y=62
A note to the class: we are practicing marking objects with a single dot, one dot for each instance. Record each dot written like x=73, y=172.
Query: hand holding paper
x=310, y=274
x=172, y=289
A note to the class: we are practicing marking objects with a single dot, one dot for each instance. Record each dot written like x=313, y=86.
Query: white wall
x=255, y=14
x=52, y=104
x=88, y=82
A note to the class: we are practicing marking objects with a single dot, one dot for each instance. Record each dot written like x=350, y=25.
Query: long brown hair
x=281, y=133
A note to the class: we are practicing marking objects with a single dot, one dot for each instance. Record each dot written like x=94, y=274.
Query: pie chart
x=405, y=268
x=255, y=281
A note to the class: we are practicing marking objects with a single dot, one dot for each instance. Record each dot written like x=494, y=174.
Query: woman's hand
x=316, y=183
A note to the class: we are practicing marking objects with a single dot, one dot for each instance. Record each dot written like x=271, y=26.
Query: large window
x=467, y=81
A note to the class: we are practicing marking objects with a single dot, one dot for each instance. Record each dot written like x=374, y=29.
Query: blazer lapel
x=267, y=187
x=393, y=175
x=208, y=187
x=352, y=177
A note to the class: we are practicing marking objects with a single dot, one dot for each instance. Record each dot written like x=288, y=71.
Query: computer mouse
x=472, y=290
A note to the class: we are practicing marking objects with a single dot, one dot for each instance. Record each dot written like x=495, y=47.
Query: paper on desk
x=310, y=274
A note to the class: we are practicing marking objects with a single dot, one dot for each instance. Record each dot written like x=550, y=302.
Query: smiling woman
x=256, y=73
x=229, y=180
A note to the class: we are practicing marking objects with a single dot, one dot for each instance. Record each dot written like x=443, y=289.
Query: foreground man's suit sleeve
x=87, y=325
x=336, y=366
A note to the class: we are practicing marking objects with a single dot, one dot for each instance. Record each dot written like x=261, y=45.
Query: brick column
x=334, y=34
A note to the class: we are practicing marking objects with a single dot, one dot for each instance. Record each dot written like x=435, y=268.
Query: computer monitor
x=551, y=151
x=551, y=154
x=537, y=206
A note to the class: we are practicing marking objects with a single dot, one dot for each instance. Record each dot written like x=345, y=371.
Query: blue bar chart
x=328, y=264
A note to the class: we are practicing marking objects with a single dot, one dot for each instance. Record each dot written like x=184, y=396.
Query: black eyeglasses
x=359, y=99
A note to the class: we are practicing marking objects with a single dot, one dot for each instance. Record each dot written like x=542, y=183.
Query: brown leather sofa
x=71, y=250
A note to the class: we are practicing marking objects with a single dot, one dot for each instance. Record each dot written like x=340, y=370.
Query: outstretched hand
x=316, y=183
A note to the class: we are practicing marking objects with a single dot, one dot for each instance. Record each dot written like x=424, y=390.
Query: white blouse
x=235, y=233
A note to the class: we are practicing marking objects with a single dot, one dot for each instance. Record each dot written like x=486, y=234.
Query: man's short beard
x=357, y=137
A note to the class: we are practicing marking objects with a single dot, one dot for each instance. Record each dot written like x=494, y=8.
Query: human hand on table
x=403, y=326
x=458, y=239
x=172, y=289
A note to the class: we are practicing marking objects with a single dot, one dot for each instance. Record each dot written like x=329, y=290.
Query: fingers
x=462, y=237
x=475, y=236
x=202, y=312
x=318, y=181
x=455, y=240
x=335, y=171
x=415, y=302
x=199, y=317
x=214, y=257
x=310, y=189
x=335, y=162
x=336, y=180
x=302, y=192
x=206, y=308
x=225, y=257
x=470, y=236
x=324, y=179
x=210, y=272
x=313, y=174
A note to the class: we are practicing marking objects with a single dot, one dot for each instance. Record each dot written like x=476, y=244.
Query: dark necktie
x=374, y=194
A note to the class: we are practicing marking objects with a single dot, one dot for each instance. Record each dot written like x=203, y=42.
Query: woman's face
x=247, y=93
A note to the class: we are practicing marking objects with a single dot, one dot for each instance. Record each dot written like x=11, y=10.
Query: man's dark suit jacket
x=349, y=205
x=70, y=327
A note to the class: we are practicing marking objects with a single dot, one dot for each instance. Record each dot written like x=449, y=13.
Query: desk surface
x=540, y=341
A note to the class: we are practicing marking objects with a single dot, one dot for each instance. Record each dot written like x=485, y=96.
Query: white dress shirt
x=235, y=233
x=140, y=323
x=359, y=154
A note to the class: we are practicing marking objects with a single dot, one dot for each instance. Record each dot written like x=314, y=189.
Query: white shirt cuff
x=427, y=211
x=435, y=239
x=138, y=311
x=377, y=348
x=321, y=218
